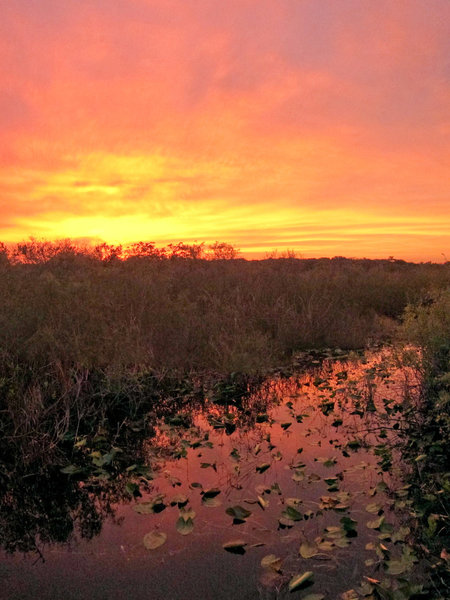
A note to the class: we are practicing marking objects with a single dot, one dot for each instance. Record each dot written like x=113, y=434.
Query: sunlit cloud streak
x=323, y=127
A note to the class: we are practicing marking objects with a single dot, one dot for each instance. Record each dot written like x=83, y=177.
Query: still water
x=301, y=476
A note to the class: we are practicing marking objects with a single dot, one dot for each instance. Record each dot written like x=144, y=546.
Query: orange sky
x=322, y=127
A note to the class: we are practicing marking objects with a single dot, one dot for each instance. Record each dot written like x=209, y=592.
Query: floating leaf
x=187, y=513
x=308, y=550
x=211, y=502
x=184, y=526
x=263, y=467
x=235, y=546
x=271, y=562
x=239, y=513
x=155, y=505
x=205, y=465
x=284, y=523
x=71, y=470
x=154, y=539
x=298, y=475
x=263, y=503
x=210, y=493
x=380, y=524
x=179, y=499
x=299, y=580
x=291, y=514
x=374, y=508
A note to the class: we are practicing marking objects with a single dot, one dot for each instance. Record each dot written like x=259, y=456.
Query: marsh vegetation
x=182, y=424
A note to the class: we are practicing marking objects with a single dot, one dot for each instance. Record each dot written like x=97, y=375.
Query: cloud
x=223, y=116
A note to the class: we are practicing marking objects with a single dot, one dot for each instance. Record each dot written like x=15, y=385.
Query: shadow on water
x=243, y=491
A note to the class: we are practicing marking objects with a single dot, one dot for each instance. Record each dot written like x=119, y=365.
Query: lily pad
x=271, y=562
x=235, y=546
x=239, y=513
x=299, y=581
x=308, y=550
x=154, y=539
x=184, y=526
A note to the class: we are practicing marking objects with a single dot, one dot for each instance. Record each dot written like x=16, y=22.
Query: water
x=313, y=450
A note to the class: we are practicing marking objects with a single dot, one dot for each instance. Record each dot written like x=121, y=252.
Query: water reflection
x=289, y=464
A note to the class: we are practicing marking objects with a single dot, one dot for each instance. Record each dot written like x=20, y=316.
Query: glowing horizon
x=316, y=127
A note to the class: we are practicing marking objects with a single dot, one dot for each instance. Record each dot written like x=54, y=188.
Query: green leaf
x=154, y=540
x=299, y=580
x=291, y=514
x=238, y=512
x=71, y=470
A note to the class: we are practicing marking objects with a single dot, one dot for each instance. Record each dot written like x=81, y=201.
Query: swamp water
x=293, y=490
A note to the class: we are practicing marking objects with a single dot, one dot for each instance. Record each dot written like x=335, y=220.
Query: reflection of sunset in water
x=296, y=456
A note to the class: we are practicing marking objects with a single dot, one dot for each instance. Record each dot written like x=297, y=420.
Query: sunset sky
x=321, y=126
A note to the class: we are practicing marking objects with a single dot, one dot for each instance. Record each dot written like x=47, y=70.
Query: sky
x=319, y=126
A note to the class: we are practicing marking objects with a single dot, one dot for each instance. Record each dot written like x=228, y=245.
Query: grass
x=85, y=331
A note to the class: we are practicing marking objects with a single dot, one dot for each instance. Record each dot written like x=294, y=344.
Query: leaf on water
x=155, y=505
x=187, y=513
x=376, y=524
x=143, y=508
x=327, y=462
x=325, y=545
x=211, y=502
x=291, y=514
x=276, y=488
x=263, y=503
x=308, y=550
x=354, y=444
x=179, y=499
x=195, y=484
x=349, y=526
x=263, y=467
x=299, y=581
x=235, y=455
x=271, y=562
x=284, y=523
x=205, y=465
x=235, y=546
x=238, y=512
x=71, y=470
x=184, y=526
x=154, y=539
x=298, y=476
x=374, y=508
x=210, y=493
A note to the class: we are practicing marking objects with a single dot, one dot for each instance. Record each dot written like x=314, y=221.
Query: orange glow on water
x=268, y=125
